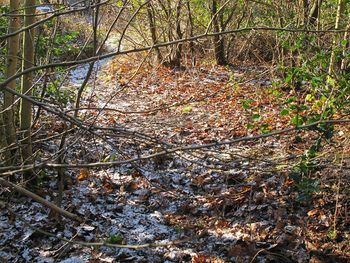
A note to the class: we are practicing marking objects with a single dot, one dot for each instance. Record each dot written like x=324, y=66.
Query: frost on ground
x=229, y=203
x=220, y=215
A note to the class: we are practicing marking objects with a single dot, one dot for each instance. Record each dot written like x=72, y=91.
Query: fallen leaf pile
x=230, y=203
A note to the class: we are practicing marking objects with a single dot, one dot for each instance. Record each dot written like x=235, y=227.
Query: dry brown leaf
x=312, y=213
x=222, y=224
x=108, y=187
x=83, y=174
x=111, y=120
x=206, y=259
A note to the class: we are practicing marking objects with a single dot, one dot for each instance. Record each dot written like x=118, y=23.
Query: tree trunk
x=315, y=12
x=344, y=67
x=190, y=20
x=26, y=83
x=11, y=69
x=153, y=31
x=91, y=65
x=332, y=62
x=5, y=156
x=306, y=7
x=173, y=31
x=176, y=61
x=219, y=47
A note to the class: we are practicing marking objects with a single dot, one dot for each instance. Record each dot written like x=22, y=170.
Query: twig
x=49, y=18
x=101, y=243
x=337, y=195
x=165, y=44
x=41, y=200
x=256, y=254
x=169, y=150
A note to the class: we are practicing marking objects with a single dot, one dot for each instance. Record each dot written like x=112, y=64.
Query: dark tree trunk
x=176, y=61
x=219, y=45
x=153, y=31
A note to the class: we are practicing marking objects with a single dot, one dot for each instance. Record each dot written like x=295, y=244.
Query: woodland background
x=174, y=131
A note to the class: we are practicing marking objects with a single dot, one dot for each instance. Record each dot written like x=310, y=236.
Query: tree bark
x=344, y=67
x=332, y=62
x=11, y=69
x=153, y=31
x=219, y=47
x=176, y=61
x=91, y=64
x=315, y=12
x=5, y=156
x=191, y=44
x=26, y=83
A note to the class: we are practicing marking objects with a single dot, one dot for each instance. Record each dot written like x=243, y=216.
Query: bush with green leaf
x=62, y=45
x=3, y=31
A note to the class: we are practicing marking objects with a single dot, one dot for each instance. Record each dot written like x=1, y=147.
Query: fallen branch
x=100, y=243
x=12, y=170
x=41, y=200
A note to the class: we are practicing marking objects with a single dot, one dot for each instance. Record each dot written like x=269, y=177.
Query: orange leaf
x=111, y=120
x=108, y=187
x=83, y=175
x=312, y=212
x=221, y=224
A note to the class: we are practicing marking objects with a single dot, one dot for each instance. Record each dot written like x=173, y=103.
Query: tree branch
x=41, y=200
x=136, y=50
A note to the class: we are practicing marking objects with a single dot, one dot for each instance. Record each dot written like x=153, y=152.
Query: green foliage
x=256, y=117
x=187, y=109
x=179, y=228
x=110, y=158
x=247, y=103
x=200, y=7
x=115, y=239
x=63, y=44
x=284, y=112
x=119, y=3
x=3, y=20
x=305, y=185
x=264, y=128
x=332, y=234
x=61, y=96
x=3, y=31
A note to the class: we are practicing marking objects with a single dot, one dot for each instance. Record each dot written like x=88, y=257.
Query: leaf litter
x=228, y=203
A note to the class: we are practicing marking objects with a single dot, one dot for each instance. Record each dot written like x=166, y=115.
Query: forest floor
x=234, y=202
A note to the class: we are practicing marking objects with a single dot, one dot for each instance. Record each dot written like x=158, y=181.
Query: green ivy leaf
x=246, y=104
x=344, y=42
x=250, y=126
x=288, y=79
x=332, y=234
x=256, y=117
x=297, y=120
x=303, y=107
x=115, y=239
x=187, y=109
x=290, y=100
x=264, y=128
x=284, y=112
x=309, y=97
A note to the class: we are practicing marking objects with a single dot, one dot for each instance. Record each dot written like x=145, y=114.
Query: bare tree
x=27, y=83
x=220, y=23
x=332, y=62
x=153, y=30
x=11, y=69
